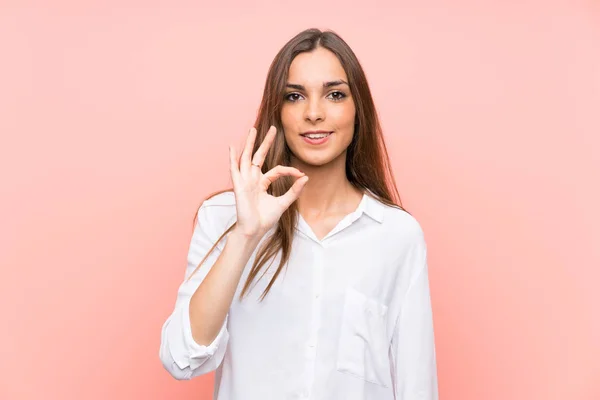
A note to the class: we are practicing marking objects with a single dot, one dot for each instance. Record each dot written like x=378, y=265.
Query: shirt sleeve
x=181, y=356
x=413, y=358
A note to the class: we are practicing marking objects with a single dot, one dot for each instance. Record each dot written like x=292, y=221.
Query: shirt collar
x=371, y=206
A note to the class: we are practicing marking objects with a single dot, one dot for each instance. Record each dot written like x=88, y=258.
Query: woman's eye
x=337, y=96
x=292, y=97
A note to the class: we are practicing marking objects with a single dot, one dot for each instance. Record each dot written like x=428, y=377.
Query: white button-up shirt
x=349, y=317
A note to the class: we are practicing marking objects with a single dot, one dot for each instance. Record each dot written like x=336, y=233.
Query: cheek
x=344, y=124
x=289, y=116
x=345, y=118
x=288, y=122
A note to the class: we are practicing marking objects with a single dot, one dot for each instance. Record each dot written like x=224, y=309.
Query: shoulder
x=402, y=228
x=218, y=212
x=403, y=242
x=222, y=199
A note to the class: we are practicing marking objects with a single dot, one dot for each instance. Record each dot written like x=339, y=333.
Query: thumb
x=293, y=193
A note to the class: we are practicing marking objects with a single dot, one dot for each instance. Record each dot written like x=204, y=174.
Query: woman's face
x=317, y=98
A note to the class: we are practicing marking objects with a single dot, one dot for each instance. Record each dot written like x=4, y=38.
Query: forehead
x=316, y=67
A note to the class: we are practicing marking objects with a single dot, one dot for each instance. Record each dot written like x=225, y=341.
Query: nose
x=314, y=111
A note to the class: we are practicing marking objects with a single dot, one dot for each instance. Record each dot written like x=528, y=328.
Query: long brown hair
x=367, y=161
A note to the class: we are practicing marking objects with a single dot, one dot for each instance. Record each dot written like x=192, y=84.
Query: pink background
x=115, y=119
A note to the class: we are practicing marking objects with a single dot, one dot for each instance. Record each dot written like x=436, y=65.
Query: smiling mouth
x=319, y=135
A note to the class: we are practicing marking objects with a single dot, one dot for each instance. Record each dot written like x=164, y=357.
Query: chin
x=317, y=160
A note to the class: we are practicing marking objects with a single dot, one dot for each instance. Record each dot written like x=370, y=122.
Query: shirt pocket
x=362, y=348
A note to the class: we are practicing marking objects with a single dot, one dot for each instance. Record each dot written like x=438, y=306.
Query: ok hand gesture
x=258, y=211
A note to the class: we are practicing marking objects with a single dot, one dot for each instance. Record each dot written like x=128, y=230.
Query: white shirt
x=349, y=317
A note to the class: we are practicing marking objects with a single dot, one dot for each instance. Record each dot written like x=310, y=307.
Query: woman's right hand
x=258, y=211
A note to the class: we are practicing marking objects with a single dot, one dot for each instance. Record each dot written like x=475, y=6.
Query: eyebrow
x=325, y=84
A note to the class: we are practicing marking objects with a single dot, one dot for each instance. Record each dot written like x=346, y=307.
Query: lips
x=318, y=133
x=320, y=137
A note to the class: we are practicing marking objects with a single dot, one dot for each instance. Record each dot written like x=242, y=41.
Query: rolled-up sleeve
x=413, y=357
x=179, y=353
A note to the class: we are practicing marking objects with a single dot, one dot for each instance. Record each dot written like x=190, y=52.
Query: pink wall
x=115, y=120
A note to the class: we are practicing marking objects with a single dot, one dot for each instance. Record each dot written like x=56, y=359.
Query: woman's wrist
x=245, y=240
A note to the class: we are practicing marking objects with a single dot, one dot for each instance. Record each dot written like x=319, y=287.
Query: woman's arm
x=210, y=303
x=413, y=358
x=195, y=336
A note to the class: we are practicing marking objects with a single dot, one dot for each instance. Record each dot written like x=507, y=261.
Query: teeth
x=319, y=136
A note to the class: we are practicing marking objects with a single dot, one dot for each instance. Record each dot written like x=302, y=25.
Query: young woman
x=307, y=280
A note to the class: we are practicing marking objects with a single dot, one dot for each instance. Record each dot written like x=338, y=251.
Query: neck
x=328, y=190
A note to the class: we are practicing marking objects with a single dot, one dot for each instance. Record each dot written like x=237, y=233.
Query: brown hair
x=367, y=161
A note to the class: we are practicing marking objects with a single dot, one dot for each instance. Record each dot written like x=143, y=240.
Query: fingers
x=247, y=152
x=279, y=171
x=234, y=168
x=293, y=193
x=261, y=153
